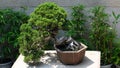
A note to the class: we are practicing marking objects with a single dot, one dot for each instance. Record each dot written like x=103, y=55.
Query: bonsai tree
x=44, y=23
x=10, y=22
x=48, y=18
x=29, y=42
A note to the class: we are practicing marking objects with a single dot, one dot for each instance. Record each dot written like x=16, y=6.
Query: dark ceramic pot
x=110, y=66
x=6, y=65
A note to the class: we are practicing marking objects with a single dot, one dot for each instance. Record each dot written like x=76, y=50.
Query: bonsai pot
x=71, y=57
x=110, y=66
x=6, y=64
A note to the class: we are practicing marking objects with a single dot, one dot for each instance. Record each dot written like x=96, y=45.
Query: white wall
x=111, y=5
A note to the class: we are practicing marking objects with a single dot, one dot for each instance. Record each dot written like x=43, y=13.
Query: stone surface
x=50, y=60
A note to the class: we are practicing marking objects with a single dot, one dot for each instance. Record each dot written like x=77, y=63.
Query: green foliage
x=10, y=22
x=102, y=34
x=116, y=18
x=44, y=23
x=49, y=18
x=29, y=42
x=116, y=52
x=49, y=45
x=116, y=42
x=77, y=24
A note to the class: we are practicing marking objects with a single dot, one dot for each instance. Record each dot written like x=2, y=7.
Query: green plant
x=116, y=52
x=77, y=24
x=10, y=22
x=29, y=42
x=102, y=34
x=49, y=18
x=44, y=23
x=116, y=42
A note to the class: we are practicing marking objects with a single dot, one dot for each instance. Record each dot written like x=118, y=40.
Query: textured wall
x=33, y=3
x=30, y=4
x=111, y=5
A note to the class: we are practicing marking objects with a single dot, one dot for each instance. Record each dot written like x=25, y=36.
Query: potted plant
x=116, y=43
x=116, y=53
x=10, y=22
x=69, y=51
x=103, y=35
x=30, y=46
x=43, y=25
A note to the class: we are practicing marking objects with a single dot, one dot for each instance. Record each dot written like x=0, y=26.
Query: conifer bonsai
x=44, y=23
x=29, y=42
x=48, y=18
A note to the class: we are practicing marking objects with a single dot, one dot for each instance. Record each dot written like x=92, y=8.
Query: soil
x=62, y=48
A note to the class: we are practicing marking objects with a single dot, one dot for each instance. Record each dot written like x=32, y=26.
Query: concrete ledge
x=50, y=60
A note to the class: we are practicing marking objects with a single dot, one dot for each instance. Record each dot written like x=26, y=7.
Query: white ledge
x=91, y=60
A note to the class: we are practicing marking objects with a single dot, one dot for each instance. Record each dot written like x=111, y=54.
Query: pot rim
x=84, y=47
x=6, y=63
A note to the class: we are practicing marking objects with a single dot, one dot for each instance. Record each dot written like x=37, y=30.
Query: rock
x=68, y=43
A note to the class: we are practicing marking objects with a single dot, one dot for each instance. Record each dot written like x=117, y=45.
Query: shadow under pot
x=71, y=57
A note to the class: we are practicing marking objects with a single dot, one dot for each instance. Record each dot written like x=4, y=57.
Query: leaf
x=114, y=15
x=118, y=16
